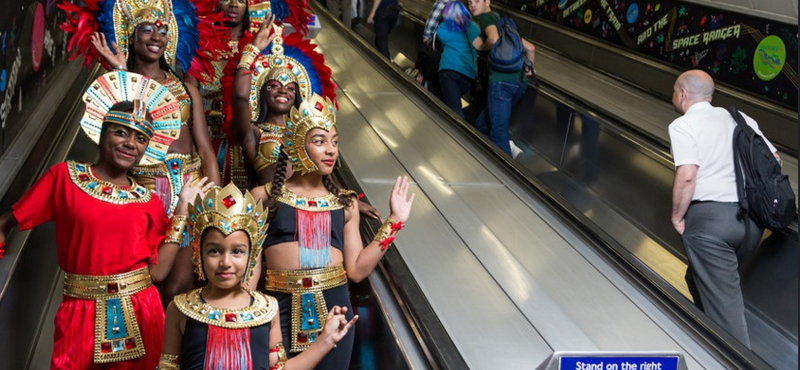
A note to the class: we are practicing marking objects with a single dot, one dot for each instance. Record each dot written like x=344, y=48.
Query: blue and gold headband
x=136, y=120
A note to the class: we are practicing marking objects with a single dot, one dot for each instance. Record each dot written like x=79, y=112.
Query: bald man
x=705, y=202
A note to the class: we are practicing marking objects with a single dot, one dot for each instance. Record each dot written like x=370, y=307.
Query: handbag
x=428, y=61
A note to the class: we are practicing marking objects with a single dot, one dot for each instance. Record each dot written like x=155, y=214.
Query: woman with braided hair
x=313, y=234
x=276, y=72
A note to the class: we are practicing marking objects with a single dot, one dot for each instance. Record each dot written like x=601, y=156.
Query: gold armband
x=249, y=55
x=282, y=358
x=168, y=362
x=175, y=231
x=384, y=235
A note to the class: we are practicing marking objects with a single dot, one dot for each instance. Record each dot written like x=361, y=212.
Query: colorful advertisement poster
x=31, y=46
x=750, y=53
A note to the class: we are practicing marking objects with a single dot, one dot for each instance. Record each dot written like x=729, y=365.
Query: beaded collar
x=81, y=175
x=329, y=202
x=260, y=312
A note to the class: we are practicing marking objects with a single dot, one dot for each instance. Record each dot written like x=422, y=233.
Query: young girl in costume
x=223, y=325
x=149, y=37
x=313, y=244
x=113, y=237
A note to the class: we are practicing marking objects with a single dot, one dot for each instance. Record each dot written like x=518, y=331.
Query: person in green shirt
x=505, y=89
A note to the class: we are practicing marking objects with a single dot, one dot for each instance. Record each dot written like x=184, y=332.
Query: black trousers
x=385, y=19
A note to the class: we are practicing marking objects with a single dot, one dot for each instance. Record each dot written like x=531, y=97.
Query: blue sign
x=619, y=363
x=633, y=13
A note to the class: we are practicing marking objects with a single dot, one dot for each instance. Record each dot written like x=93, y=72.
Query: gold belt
x=301, y=281
x=309, y=310
x=116, y=332
x=94, y=287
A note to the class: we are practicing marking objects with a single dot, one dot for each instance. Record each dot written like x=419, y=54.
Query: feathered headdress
x=298, y=58
x=195, y=32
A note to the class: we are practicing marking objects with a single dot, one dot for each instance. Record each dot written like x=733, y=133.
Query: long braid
x=277, y=185
x=344, y=199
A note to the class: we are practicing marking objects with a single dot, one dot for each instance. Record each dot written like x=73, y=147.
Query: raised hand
x=114, y=57
x=265, y=33
x=190, y=192
x=399, y=202
x=336, y=325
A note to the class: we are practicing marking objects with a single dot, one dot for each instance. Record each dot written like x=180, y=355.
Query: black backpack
x=764, y=192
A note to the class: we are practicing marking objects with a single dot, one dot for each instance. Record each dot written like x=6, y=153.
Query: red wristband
x=385, y=243
x=397, y=226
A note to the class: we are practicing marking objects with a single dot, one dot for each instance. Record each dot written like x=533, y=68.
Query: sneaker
x=515, y=150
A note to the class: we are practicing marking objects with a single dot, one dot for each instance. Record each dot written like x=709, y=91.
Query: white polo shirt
x=704, y=136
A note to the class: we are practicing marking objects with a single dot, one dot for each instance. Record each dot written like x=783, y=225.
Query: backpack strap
x=737, y=163
x=744, y=206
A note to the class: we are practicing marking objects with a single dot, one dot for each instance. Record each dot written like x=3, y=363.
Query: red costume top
x=93, y=236
x=101, y=229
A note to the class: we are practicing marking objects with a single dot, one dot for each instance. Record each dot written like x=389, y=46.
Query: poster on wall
x=31, y=45
x=753, y=54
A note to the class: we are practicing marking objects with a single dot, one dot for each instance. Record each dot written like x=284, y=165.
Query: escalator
x=501, y=264
x=617, y=175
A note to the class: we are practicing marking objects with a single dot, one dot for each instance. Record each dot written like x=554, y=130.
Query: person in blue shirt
x=458, y=38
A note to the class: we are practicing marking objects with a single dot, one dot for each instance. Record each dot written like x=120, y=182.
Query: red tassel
x=228, y=349
x=397, y=226
x=314, y=237
x=360, y=195
x=385, y=243
x=2, y=249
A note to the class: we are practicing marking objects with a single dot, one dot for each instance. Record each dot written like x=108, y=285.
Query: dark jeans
x=454, y=85
x=385, y=19
x=501, y=98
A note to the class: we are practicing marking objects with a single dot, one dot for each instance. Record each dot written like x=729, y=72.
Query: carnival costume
x=106, y=235
x=218, y=338
x=167, y=178
x=229, y=155
x=288, y=59
x=306, y=295
x=193, y=42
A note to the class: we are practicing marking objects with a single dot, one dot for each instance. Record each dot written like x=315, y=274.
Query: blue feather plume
x=105, y=22
x=188, y=34
x=305, y=61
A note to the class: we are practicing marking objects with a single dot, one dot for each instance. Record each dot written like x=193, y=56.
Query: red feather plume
x=212, y=43
x=299, y=15
x=81, y=24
